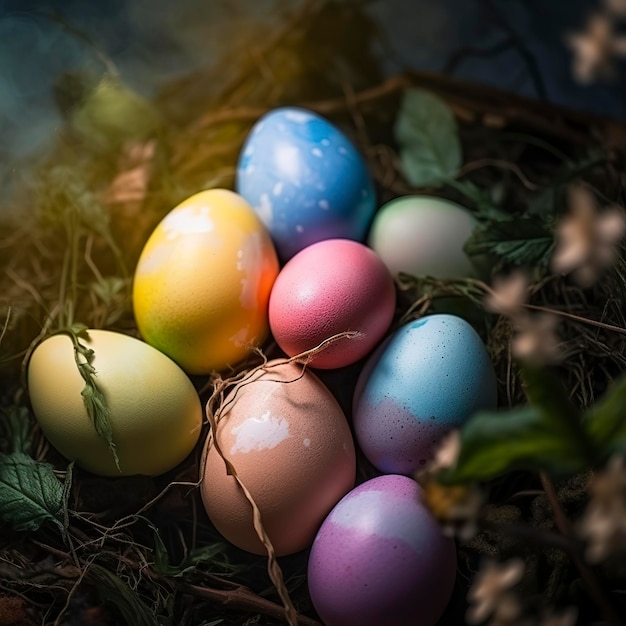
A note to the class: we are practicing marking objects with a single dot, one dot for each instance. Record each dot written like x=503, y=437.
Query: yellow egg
x=203, y=281
x=155, y=412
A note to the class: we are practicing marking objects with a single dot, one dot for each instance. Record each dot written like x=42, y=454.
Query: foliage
x=30, y=493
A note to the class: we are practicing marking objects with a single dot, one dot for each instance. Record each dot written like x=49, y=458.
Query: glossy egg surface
x=203, y=280
x=305, y=179
x=379, y=559
x=430, y=376
x=423, y=235
x=291, y=446
x=330, y=287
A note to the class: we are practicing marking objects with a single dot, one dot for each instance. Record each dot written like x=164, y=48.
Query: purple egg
x=380, y=559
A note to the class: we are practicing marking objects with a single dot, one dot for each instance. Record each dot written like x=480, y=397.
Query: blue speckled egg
x=380, y=558
x=430, y=376
x=305, y=179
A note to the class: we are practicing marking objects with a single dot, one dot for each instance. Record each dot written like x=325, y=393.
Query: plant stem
x=587, y=573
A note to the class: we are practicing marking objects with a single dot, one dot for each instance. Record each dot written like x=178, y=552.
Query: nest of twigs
x=141, y=550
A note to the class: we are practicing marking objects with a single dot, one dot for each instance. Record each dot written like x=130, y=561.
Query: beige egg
x=292, y=448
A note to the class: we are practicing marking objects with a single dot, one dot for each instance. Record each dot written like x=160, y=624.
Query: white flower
x=447, y=452
x=587, y=240
x=490, y=592
x=595, y=48
x=508, y=295
x=604, y=522
x=536, y=340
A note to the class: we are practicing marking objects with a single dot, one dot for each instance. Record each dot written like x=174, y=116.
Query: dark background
x=152, y=40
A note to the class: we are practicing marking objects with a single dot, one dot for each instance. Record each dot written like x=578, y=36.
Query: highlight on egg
x=292, y=448
x=155, y=412
x=423, y=235
x=430, y=376
x=332, y=287
x=203, y=280
x=305, y=179
x=379, y=557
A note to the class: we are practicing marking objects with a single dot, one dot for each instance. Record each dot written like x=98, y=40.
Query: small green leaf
x=606, y=421
x=30, y=493
x=427, y=134
x=112, y=590
x=112, y=114
x=545, y=435
x=485, y=208
x=93, y=398
x=493, y=443
x=520, y=241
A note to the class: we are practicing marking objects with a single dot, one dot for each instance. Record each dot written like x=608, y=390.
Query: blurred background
x=519, y=45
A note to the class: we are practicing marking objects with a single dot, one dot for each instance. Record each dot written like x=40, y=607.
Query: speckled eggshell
x=331, y=287
x=379, y=558
x=291, y=445
x=423, y=235
x=305, y=179
x=431, y=375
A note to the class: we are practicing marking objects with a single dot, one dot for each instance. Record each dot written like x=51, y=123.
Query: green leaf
x=30, y=493
x=605, y=422
x=112, y=114
x=112, y=590
x=93, y=398
x=204, y=555
x=545, y=435
x=485, y=208
x=520, y=241
x=427, y=134
x=493, y=443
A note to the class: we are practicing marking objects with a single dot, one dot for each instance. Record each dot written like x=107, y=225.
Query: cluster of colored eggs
x=285, y=255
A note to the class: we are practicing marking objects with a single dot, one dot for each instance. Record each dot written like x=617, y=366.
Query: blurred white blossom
x=535, y=338
x=587, y=240
x=604, y=522
x=508, y=294
x=490, y=595
x=447, y=452
x=596, y=47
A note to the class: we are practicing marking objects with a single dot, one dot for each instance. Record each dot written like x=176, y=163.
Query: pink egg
x=380, y=558
x=330, y=287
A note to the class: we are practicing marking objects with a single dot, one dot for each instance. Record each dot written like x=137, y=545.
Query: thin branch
x=587, y=573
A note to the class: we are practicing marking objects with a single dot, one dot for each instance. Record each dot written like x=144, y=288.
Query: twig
x=244, y=599
x=523, y=51
x=577, y=318
x=588, y=574
x=499, y=163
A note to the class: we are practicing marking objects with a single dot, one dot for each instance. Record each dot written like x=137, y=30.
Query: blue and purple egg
x=380, y=558
x=429, y=377
x=305, y=180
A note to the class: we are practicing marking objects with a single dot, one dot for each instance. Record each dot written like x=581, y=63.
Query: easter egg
x=380, y=558
x=203, y=280
x=423, y=235
x=430, y=376
x=292, y=448
x=305, y=180
x=155, y=412
x=331, y=287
